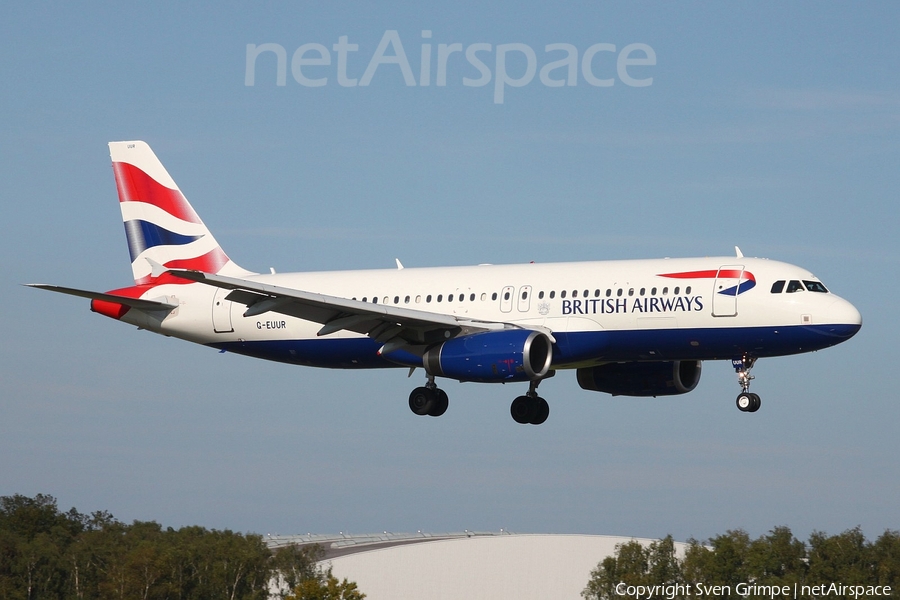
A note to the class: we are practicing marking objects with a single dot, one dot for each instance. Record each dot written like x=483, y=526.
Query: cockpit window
x=778, y=287
x=815, y=286
x=795, y=286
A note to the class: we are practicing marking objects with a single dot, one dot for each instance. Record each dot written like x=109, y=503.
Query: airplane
x=627, y=327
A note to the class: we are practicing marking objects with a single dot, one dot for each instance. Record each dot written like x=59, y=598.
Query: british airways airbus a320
x=633, y=328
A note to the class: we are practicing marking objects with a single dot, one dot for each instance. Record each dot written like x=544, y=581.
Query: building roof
x=471, y=565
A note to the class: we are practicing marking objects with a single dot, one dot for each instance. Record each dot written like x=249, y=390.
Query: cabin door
x=221, y=312
x=725, y=290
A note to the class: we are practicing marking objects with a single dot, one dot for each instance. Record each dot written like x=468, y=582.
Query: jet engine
x=642, y=378
x=492, y=356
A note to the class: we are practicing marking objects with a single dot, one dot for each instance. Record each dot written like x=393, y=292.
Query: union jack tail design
x=160, y=223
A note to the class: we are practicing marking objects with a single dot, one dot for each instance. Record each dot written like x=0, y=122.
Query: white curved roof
x=476, y=566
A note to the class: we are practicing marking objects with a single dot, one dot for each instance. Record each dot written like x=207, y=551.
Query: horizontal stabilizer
x=137, y=303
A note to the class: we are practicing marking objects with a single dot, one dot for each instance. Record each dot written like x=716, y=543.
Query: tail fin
x=160, y=223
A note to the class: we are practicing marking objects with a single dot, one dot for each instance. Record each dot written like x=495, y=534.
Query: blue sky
x=769, y=126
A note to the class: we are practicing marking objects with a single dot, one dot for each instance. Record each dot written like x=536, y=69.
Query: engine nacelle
x=642, y=378
x=492, y=356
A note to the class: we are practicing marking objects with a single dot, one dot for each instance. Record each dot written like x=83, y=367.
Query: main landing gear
x=432, y=401
x=429, y=399
x=530, y=408
x=746, y=400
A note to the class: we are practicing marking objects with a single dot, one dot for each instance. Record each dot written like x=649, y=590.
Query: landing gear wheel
x=756, y=403
x=542, y=411
x=529, y=410
x=523, y=410
x=747, y=402
x=441, y=402
x=422, y=401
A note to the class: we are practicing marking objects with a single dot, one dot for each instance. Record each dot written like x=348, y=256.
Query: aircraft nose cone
x=844, y=317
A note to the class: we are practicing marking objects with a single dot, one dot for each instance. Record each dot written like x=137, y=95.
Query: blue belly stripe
x=573, y=347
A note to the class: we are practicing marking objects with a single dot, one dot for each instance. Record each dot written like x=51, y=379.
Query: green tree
x=721, y=561
x=886, y=556
x=326, y=587
x=634, y=564
x=845, y=558
x=235, y=566
x=777, y=558
x=34, y=536
x=294, y=564
x=48, y=554
x=664, y=566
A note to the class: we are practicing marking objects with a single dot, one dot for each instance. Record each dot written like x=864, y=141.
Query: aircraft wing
x=132, y=302
x=395, y=326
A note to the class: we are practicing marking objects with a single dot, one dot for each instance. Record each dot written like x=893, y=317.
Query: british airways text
x=605, y=306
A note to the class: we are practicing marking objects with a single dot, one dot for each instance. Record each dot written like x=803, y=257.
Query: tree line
x=734, y=565
x=49, y=554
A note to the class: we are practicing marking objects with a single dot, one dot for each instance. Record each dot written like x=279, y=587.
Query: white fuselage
x=597, y=311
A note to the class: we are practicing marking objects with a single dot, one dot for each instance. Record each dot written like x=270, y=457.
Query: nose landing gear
x=746, y=400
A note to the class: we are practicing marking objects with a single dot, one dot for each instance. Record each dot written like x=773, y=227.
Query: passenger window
x=471, y=297
x=643, y=291
x=815, y=286
x=374, y=300
x=619, y=292
x=585, y=293
x=506, y=296
x=365, y=299
x=653, y=292
x=574, y=293
x=596, y=293
x=450, y=298
x=494, y=296
x=631, y=291
x=440, y=297
x=552, y=295
x=541, y=295
x=562, y=294
x=665, y=291
x=386, y=300
x=396, y=299
x=483, y=296
x=524, y=295
x=676, y=291
x=418, y=299
x=794, y=286
x=778, y=287
x=428, y=299
x=687, y=290
x=406, y=300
